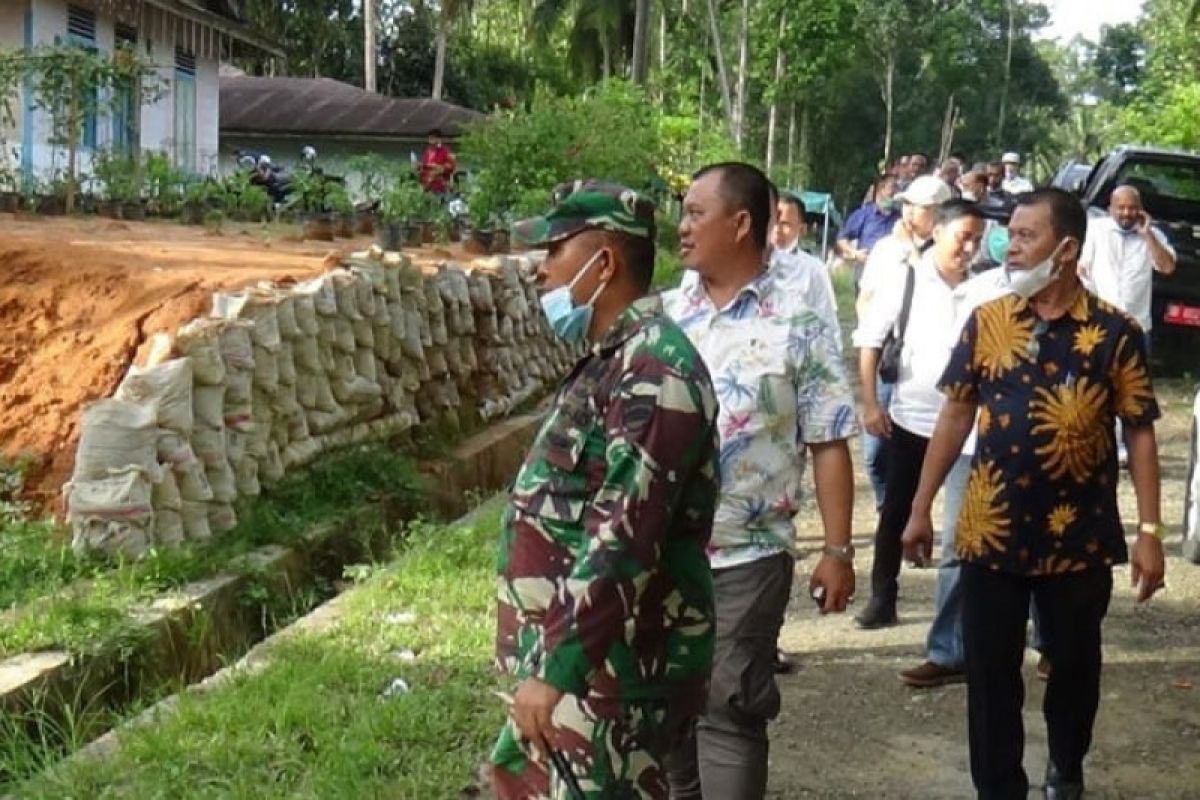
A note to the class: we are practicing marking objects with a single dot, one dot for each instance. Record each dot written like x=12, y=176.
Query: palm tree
x=449, y=12
x=600, y=37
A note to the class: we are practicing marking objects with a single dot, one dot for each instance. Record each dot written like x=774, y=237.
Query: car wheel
x=1191, y=507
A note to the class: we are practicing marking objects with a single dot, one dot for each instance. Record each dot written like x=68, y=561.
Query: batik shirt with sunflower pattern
x=1041, y=498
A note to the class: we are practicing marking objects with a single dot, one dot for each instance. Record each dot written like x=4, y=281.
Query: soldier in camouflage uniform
x=605, y=595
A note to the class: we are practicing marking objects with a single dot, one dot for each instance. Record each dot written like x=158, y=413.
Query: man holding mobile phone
x=1121, y=254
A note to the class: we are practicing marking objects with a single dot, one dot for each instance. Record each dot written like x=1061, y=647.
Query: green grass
x=59, y=600
x=313, y=723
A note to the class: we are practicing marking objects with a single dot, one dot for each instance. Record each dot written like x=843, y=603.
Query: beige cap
x=926, y=190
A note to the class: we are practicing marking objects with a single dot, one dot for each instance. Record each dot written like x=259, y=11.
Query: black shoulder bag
x=889, y=354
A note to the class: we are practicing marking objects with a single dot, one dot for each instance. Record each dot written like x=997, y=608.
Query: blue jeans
x=944, y=645
x=874, y=456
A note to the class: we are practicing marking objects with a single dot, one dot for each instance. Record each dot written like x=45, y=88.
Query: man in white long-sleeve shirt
x=1121, y=254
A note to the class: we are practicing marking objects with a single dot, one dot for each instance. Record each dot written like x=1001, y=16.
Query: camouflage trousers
x=615, y=749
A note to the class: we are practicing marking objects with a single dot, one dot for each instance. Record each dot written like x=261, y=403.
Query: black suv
x=1169, y=182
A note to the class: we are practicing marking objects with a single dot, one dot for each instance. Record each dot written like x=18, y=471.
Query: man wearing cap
x=606, y=607
x=784, y=399
x=1014, y=182
x=889, y=257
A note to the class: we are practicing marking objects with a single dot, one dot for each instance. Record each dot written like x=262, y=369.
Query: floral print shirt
x=781, y=385
x=1041, y=498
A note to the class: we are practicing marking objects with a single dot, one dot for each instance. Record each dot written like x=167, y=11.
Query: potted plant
x=164, y=186
x=200, y=197
x=337, y=200
x=371, y=170
x=310, y=191
x=480, y=220
x=401, y=207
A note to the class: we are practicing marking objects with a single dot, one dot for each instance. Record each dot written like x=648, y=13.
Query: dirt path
x=849, y=728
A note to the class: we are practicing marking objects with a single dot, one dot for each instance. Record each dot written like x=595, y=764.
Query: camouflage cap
x=589, y=204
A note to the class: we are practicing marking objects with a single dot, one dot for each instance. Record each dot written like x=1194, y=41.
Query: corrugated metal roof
x=325, y=106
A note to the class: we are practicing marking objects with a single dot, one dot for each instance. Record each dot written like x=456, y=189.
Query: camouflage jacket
x=604, y=586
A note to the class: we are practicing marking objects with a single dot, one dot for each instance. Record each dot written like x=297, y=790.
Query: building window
x=126, y=117
x=81, y=31
x=185, y=110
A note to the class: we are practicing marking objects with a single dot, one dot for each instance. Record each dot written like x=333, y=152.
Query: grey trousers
x=725, y=758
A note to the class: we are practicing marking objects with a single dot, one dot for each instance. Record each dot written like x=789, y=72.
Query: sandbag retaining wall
x=277, y=375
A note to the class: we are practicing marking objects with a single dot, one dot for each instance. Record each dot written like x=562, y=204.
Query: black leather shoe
x=877, y=615
x=1057, y=788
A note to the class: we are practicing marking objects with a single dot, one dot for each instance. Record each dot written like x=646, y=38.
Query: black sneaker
x=1057, y=788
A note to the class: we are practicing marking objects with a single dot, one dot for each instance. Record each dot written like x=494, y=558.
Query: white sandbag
x=285, y=313
x=195, y=521
x=124, y=495
x=237, y=348
x=256, y=306
x=247, y=478
x=306, y=389
x=326, y=354
x=344, y=334
x=270, y=468
x=165, y=493
x=306, y=354
x=297, y=425
x=327, y=331
x=437, y=361
x=364, y=333
x=306, y=313
x=323, y=294
x=208, y=405
x=325, y=399
x=298, y=454
x=235, y=445
x=209, y=445
x=193, y=483
x=286, y=364
x=364, y=296
x=383, y=341
x=391, y=277
x=221, y=517
x=357, y=390
x=167, y=388
x=239, y=385
x=173, y=450
x=322, y=422
x=266, y=370
x=396, y=319
x=114, y=537
x=343, y=367
x=116, y=435
x=168, y=527
x=347, y=295
x=200, y=341
x=239, y=416
x=383, y=311
x=222, y=481
x=412, y=343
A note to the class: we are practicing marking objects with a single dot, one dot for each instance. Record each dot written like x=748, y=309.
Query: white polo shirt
x=1120, y=267
x=936, y=318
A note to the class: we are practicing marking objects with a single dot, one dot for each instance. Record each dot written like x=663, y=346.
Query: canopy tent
x=821, y=203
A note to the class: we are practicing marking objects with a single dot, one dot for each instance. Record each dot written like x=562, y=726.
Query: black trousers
x=1071, y=608
x=904, y=453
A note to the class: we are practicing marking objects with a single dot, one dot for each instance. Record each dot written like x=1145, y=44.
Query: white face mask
x=1028, y=282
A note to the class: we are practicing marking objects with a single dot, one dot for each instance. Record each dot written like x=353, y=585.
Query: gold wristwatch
x=1155, y=529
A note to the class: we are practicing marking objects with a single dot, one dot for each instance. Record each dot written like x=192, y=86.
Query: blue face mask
x=569, y=321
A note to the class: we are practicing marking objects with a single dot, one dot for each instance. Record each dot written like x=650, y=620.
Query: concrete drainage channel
x=201, y=628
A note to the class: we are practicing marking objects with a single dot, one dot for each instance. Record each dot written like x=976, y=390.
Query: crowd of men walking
x=646, y=556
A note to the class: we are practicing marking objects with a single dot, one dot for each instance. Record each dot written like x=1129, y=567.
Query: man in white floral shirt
x=783, y=392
